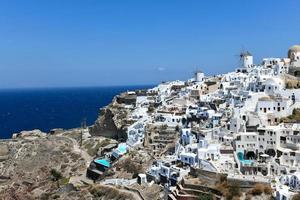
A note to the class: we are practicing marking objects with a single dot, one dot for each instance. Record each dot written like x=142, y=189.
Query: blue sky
x=61, y=43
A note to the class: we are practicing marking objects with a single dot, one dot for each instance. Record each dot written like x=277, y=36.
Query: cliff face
x=112, y=121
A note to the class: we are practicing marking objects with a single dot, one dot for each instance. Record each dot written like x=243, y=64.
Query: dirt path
x=134, y=194
x=79, y=180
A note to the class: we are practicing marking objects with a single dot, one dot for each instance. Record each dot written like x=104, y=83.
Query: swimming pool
x=240, y=156
x=103, y=162
x=122, y=148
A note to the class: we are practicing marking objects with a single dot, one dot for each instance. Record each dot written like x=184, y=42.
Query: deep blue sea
x=45, y=109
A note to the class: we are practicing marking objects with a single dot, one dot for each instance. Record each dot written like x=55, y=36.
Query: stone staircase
x=192, y=192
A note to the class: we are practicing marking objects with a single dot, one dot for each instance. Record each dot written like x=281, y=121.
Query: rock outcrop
x=29, y=134
x=112, y=121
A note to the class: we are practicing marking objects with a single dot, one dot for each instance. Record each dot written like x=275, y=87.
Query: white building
x=199, y=76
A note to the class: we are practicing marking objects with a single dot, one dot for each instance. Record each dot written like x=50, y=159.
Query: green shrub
x=204, y=196
x=56, y=196
x=56, y=175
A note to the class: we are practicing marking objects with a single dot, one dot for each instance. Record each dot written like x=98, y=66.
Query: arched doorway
x=250, y=155
x=271, y=152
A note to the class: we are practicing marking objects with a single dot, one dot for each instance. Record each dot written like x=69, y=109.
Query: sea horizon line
x=75, y=87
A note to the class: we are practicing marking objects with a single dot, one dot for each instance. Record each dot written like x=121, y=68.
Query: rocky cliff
x=112, y=121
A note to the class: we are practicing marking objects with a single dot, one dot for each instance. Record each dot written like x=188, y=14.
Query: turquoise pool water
x=240, y=155
x=122, y=148
x=103, y=162
x=247, y=162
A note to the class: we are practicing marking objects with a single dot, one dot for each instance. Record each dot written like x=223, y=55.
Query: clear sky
x=61, y=43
